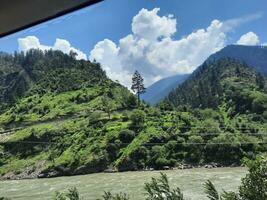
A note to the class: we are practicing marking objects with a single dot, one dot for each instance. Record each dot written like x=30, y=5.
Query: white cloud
x=106, y=52
x=249, y=38
x=228, y=25
x=32, y=42
x=149, y=25
x=65, y=47
x=184, y=55
x=151, y=49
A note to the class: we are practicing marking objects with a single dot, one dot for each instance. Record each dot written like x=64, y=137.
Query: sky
x=159, y=38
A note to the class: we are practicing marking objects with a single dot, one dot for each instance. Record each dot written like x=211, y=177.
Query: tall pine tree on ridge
x=138, y=85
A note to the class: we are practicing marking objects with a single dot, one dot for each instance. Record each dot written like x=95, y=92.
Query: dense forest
x=62, y=116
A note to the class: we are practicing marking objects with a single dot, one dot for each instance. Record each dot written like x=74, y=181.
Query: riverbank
x=92, y=186
x=37, y=171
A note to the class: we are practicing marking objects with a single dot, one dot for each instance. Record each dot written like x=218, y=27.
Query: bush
x=159, y=189
x=137, y=119
x=254, y=185
x=71, y=194
x=120, y=196
x=126, y=136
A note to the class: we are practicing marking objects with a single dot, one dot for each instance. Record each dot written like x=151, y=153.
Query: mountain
x=160, y=89
x=51, y=105
x=253, y=56
x=61, y=116
x=35, y=72
x=225, y=82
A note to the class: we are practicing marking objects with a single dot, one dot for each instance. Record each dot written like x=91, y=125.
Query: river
x=92, y=186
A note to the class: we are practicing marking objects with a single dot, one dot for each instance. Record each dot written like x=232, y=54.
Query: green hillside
x=69, y=118
x=227, y=83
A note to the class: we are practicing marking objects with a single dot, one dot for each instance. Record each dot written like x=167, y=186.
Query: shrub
x=120, y=196
x=71, y=194
x=159, y=189
x=137, y=119
x=126, y=136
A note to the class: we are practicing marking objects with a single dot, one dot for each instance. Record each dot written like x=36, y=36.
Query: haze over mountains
x=160, y=89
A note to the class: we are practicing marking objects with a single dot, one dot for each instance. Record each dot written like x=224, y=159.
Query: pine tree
x=138, y=85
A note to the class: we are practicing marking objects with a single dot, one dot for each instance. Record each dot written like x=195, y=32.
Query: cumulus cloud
x=107, y=53
x=249, y=38
x=149, y=25
x=151, y=49
x=32, y=42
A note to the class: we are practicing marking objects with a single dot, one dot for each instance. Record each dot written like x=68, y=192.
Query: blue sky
x=112, y=20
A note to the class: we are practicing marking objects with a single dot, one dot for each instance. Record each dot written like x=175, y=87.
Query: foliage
x=119, y=196
x=210, y=190
x=138, y=85
x=137, y=119
x=71, y=194
x=93, y=124
x=254, y=185
x=225, y=81
x=159, y=189
x=108, y=105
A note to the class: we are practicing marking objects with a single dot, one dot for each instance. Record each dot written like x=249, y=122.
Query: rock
x=111, y=170
x=214, y=165
x=208, y=166
x=166, y=167
x=234, y=165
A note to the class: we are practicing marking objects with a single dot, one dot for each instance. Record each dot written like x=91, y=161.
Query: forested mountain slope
x=225, y=82
x=253, y=56
x=36, y=72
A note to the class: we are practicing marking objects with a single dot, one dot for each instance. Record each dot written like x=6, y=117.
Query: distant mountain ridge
x=160, y=89
x=253, y=56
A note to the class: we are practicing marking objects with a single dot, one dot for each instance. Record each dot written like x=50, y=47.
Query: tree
x=108, y=105
x=138, y=119
x=73, y=54
x=138, y=85
x=254, y=185
x=260, y=81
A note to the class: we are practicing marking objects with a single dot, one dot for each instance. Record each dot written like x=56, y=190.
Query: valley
x=68, y=118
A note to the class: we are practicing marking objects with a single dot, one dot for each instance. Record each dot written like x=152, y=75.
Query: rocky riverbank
x=38, y=170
